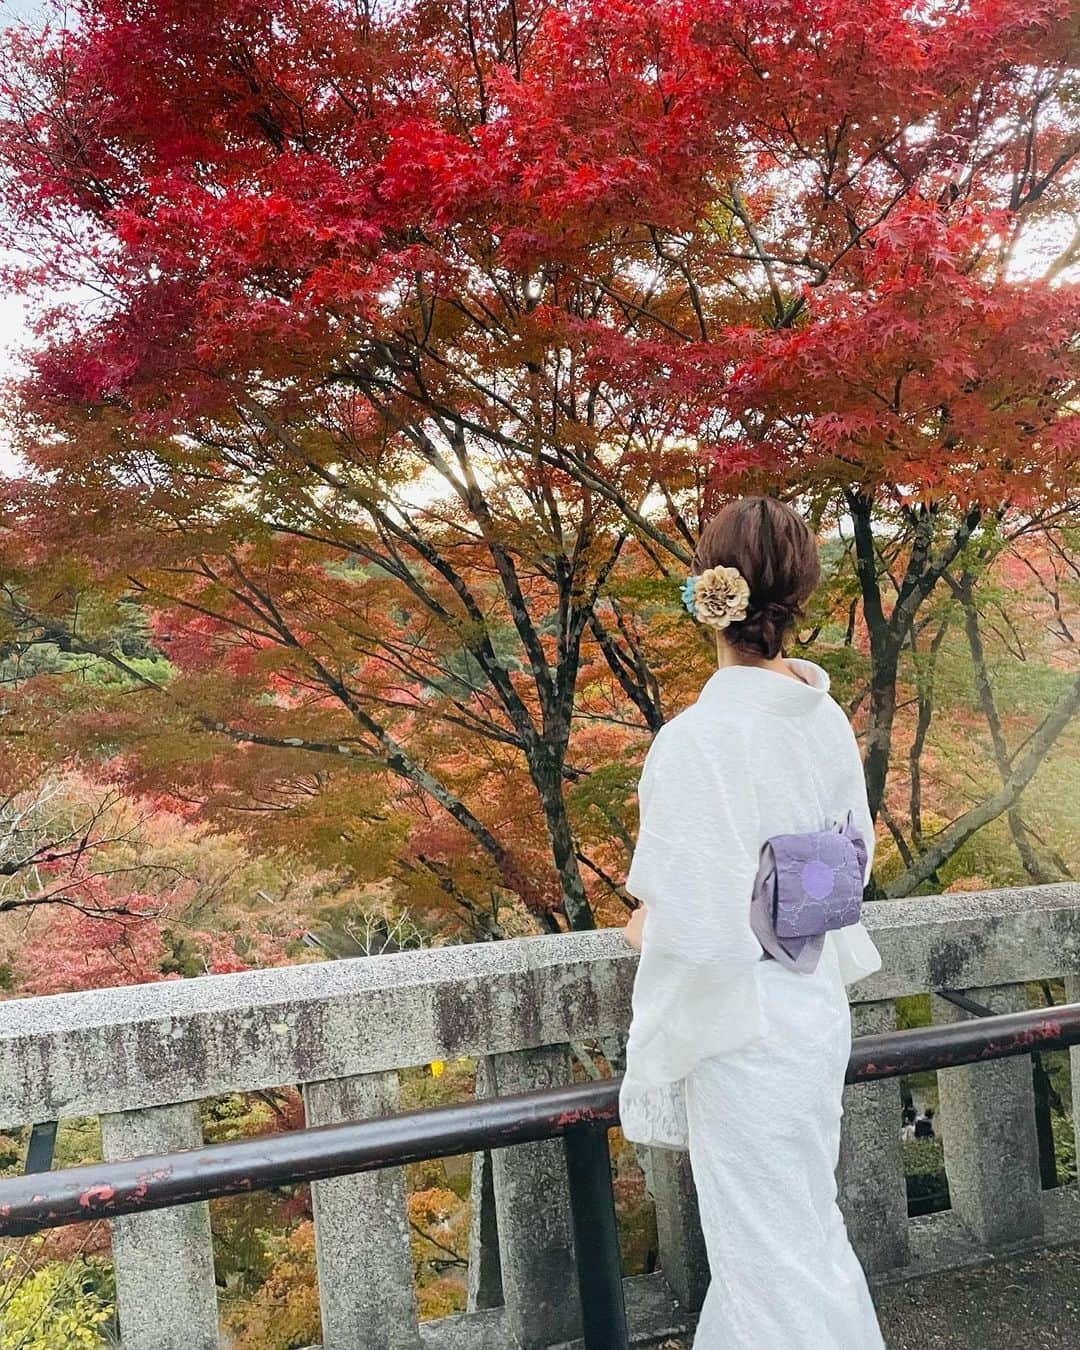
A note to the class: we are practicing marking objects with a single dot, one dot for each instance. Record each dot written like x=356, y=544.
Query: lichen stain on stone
x=528, y=1009
x=463, y=1014
x=309, y=1044
x=579, y=1007
x=248, y=1032
x=949, y=959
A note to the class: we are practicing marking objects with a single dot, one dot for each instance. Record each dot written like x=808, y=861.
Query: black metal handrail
x=579, y=1113
x=105, y=1190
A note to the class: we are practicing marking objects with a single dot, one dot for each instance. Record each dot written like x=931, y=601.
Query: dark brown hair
x=776, y=552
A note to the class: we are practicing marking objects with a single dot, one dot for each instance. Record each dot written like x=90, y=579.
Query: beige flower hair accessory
x=718, y=596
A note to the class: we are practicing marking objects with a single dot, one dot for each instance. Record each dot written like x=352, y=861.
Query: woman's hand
x=632, y=931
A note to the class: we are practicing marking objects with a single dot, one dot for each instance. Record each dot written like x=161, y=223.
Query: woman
x=730, y=1053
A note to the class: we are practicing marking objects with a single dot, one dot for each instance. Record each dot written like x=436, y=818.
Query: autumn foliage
x=389, y=358
x=386, y=360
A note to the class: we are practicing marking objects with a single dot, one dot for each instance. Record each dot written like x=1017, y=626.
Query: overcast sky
x=12, y=329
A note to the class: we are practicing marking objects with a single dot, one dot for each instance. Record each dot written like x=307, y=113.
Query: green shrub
x=66, y=1305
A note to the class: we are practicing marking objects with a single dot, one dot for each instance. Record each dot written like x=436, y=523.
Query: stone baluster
x=361, y=1230
x=872, y=1190
x=988, y=1129
x=164, y=1260
x=532, y=1204
x=1072, y=995
x=485, y=1276
x=683, y=1258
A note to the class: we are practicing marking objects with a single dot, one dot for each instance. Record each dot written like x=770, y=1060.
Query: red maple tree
x=405, y=350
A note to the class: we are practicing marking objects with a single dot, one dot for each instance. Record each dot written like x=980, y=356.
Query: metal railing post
x=41, y=1148
x=596, y=1238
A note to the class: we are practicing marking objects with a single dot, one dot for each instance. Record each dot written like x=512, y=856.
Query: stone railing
x=142, y=1058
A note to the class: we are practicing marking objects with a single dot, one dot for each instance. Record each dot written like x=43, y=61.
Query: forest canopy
x=388, y=360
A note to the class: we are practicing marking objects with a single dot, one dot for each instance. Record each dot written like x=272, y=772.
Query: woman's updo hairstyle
x=776, y=553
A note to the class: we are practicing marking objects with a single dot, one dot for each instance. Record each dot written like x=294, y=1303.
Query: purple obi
x=807, y=884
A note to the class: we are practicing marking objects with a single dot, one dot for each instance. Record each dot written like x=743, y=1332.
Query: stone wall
x=143, y=1057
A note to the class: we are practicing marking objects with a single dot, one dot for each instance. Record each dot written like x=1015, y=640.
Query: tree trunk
x=885, y=659
x=884, y=655
x=548, y=780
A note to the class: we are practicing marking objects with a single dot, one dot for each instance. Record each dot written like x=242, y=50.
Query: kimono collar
x=757, y=687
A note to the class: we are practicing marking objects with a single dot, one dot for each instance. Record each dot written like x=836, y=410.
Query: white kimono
x=730, y=1054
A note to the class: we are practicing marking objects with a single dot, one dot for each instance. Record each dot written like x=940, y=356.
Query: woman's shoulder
x=834, y=724
x=696, y=721
x=709, y=740
x=834, y=714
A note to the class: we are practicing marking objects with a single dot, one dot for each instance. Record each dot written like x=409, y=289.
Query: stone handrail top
x=311, y=981
x=958, y=906
x=52, y=1014
x=131, y=1047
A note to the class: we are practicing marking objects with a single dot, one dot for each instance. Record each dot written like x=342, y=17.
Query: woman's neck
x=727, y=655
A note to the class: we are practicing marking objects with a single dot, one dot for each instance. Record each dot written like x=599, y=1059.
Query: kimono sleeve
x=695, y=990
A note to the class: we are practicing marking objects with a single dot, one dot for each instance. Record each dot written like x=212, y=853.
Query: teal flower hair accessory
x=718, y=596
